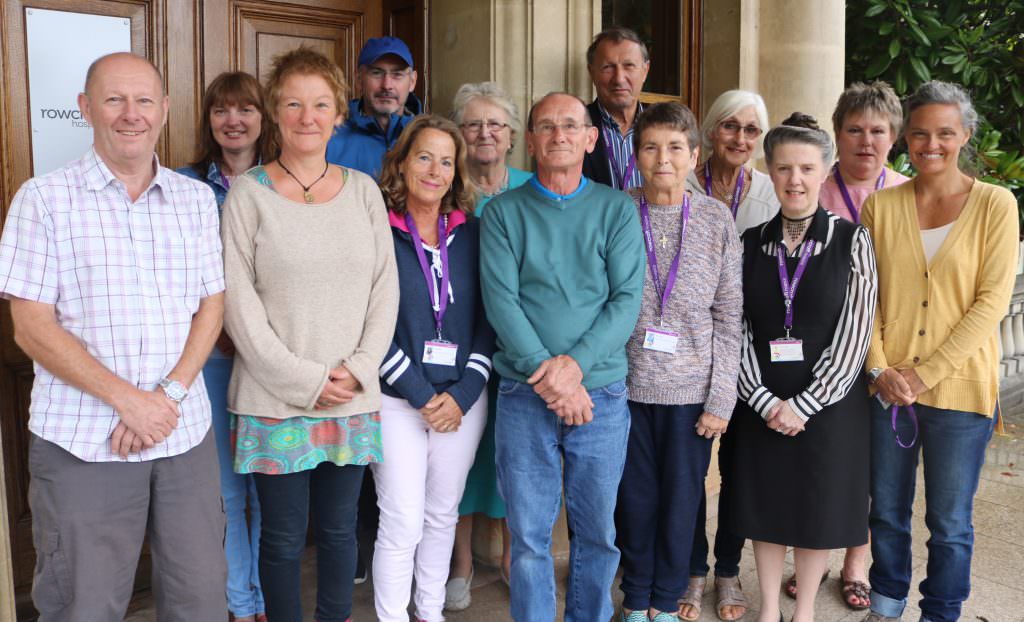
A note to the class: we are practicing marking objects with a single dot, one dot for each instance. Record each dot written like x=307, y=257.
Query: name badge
x=660, y=340
x=786, y=350
x=440, y=353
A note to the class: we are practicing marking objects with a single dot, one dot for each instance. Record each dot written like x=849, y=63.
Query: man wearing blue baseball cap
x=386, y=79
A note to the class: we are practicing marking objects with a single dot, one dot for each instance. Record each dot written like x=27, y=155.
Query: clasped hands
x=559, y=382
x=900, y=386
x=341, y=387
x=442, y=413
x=147, y=418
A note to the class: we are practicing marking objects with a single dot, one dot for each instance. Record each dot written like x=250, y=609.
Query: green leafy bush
x=976, y=43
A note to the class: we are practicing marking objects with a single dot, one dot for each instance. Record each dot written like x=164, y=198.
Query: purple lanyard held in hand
x=854, y=213
x=438, y=298
x=913, y=418
x=737, y=193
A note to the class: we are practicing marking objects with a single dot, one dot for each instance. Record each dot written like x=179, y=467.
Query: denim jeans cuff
x=888, y=607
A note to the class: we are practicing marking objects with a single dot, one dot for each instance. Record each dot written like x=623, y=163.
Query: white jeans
x=419, y=486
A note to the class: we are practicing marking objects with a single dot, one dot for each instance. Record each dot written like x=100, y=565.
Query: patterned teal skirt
x=278, y=446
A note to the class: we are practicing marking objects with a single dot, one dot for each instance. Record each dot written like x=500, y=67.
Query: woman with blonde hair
x=311, y=303
x=435, y=372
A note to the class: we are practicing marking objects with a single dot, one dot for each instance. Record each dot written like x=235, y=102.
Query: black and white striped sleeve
x=842, y=362
x=749, y=388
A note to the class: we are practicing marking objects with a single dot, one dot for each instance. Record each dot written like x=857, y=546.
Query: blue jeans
x=241, y=539
x=330, y=495
x=538, y=457
x=953, y=446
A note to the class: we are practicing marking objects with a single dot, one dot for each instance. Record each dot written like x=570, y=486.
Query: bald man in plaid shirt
x=112, y=266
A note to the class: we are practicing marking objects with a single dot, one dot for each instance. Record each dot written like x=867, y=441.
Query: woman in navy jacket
x=434, y=405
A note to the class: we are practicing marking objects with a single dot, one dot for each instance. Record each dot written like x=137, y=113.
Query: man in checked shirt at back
x=113, y=269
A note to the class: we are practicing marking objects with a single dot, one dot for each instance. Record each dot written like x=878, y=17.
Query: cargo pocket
x=51, y=583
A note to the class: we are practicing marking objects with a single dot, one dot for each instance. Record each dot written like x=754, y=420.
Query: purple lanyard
x=736, y=195
x=224, y=181
x=789, y=289
x=913, y=417
x=627, y=175
x=854, y=213
x=652, y=255
x=438, y=299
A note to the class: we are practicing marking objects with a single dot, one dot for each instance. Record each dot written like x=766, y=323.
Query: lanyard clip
x=787, y=332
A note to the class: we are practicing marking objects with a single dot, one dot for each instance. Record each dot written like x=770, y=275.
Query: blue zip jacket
x=361, y=144
x=403, y=372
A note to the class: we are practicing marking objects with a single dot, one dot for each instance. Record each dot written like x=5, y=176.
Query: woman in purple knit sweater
x=683, y=363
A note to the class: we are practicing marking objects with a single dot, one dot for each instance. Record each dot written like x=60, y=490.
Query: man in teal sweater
x=562, y=272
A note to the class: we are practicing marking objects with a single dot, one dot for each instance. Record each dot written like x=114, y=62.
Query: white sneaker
x=457, y=596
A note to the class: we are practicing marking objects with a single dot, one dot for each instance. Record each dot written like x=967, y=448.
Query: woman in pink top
x=867, y=122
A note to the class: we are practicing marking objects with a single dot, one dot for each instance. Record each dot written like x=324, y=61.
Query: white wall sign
x=61, y=46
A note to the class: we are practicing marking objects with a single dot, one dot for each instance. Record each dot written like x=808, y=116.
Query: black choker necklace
x=807, y=217
x=306, y=194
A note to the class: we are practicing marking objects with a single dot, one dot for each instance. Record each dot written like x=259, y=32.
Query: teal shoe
x=665, y=616
x=636, y=616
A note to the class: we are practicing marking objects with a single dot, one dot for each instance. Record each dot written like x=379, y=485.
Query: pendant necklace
x=306, y=194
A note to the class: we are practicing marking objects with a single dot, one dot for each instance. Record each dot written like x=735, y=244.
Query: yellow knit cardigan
x=942, y=318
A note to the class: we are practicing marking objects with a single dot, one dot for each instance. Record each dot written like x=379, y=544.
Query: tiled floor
x=995, y=596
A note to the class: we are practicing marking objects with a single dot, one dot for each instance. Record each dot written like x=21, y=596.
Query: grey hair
x=493, y=93
x=726, y=105
x=616, y=34
x=802, y=129
x=938, y=92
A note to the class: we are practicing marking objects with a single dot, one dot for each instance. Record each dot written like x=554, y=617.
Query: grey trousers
x=88, y=523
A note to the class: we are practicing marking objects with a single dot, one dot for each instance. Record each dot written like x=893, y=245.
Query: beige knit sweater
x=309, y=287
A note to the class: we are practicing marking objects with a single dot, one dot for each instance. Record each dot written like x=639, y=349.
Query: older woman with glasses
x=489, y=122
x=730, y=140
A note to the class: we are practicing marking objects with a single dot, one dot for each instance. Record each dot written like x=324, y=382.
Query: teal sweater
x=562, y=277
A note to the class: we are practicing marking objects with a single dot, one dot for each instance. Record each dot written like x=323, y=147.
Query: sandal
x=854, y=589
x=790, y=584
x=730, y=594
x=694, y=594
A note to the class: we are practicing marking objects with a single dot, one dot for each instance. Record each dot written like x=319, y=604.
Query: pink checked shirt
x=125, y=278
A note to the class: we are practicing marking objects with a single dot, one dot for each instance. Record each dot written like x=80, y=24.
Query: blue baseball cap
x=382, y=46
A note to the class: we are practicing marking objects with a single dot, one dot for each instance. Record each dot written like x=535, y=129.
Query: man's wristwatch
x=173, y=389
x=874, y=373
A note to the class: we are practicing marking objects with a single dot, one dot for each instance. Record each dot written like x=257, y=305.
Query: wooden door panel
x=259, y=30
x=407, y=20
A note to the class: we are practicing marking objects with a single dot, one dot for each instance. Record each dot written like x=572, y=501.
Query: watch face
x=174, y=390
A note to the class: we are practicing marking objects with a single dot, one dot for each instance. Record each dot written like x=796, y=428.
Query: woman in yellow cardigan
x=946, y=246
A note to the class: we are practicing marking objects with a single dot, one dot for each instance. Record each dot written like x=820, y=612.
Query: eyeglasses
x=378, y=74
x=731, y=127
x=474, y=127
x=569, y=129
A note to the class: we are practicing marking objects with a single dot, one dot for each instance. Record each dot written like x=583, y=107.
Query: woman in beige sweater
x=946, y=247
x=313, y=298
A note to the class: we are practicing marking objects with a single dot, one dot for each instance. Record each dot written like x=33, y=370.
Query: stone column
x=790, y=51
x=529, y=48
